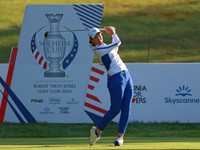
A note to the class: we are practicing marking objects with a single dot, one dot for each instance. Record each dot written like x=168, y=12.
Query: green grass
x=103, y=143
x=173, y=26
x=41, y=136
x=136, y=129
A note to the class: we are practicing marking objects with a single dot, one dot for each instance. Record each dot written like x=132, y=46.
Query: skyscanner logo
x=183, y=96
x=183, y=91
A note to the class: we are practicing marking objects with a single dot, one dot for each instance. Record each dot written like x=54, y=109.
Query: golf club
x=46, y=33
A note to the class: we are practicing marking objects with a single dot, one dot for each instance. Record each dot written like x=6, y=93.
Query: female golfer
x=119, y=83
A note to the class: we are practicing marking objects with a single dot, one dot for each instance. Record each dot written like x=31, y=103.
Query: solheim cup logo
x=54, y=47
x=55, y=52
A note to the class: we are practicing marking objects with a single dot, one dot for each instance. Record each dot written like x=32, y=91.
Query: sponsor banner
x=52, y=70
x=162, y=92
x=171, y=92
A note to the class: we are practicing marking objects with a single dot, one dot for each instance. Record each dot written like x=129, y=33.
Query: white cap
x=92, y=32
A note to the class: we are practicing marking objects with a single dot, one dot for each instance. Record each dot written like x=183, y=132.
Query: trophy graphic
x=54, y=47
